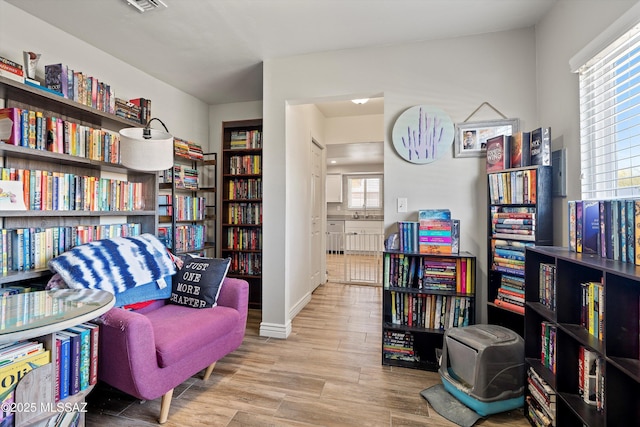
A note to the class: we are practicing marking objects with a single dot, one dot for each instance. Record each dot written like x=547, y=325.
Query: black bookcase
x=511, y=190
x=413, y=317
x=619, y=346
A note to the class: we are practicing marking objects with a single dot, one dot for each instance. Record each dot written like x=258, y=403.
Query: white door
x=317, y=192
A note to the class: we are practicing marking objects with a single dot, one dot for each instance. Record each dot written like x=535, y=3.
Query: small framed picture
x=471, y=137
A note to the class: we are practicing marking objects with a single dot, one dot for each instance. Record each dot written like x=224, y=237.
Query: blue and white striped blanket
x=115, y=264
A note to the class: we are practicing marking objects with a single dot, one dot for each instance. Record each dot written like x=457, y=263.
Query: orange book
x=509, y=306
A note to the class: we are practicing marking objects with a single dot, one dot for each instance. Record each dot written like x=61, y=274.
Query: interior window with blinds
x=610, y=120
x=364, y=192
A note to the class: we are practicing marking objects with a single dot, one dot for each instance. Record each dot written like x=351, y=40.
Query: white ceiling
x=222, y=43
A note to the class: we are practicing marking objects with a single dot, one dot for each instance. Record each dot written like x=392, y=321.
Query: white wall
x=569, y=27
x=185, y=116
x=456, y=75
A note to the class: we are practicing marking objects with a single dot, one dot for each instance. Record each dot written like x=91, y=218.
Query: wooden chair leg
x=207, y=373
x=164, y=406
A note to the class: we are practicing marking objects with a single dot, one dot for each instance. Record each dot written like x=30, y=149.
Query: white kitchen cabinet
x=334, y=188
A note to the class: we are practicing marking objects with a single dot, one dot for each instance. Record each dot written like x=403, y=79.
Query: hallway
x=327, y=373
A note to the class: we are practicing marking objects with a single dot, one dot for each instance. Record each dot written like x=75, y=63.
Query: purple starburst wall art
x=422, y=134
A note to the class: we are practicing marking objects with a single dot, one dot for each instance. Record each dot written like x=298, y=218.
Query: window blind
x=610, y=120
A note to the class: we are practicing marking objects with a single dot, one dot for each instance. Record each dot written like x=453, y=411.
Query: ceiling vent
x=146, y=5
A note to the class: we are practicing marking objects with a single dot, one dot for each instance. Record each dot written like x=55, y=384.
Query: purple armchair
x=146, y=353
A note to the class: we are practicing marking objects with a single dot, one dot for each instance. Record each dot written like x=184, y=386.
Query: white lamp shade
x=137, y=153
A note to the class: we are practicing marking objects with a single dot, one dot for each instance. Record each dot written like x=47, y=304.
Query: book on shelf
x=56, y=79
x=520, y=149
x=64, y=370
x=10, y=126
x=11, y=63
x=498, y=153
x=509, y=305
x=75, y=351
x=541, y=146
x=12, y=373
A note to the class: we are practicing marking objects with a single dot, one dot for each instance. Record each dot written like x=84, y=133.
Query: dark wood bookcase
x=619, y=346
x=241, y=212
x=507, y=183
x=411, y=333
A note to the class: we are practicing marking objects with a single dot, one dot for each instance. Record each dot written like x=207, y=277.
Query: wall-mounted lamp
x=146, y=149
x=360, y=101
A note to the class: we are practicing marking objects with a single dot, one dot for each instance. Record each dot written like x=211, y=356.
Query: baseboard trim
x=275, y=330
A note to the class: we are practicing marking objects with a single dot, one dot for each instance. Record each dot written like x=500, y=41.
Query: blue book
x=74, y=362
x=85, y=354
x=591, y=227
x=631, y=231
x=65, y=363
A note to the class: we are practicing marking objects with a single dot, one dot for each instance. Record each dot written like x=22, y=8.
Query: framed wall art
x=471, y=137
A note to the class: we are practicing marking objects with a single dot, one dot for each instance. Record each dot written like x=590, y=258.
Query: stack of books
x=127, y=110
x=541, y=402
x=436, y=232
x=399, y=346
x=11, y=70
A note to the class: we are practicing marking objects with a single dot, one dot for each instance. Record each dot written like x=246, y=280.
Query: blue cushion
x=146, y=292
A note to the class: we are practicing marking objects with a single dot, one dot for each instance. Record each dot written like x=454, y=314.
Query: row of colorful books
x=592, y=308
x=16, y=360
x=547, y=285
x=185, y=178
x=77, y=362
x=187, y=149
x=57, y=191
x=431, y=311
x=244, y=238
x=246, y=264
x=398, y=345
x=79, y=87
x=513, y=222
x=40, y=131
x=519, y=150
x=31, y=248
x=250, y=164
x=245, y=189
x=605, y=227
x=185, y=208
x=244, y=213
x=541, y=401
x=428, y=273
x=188, y=237
x=243, y=139
x=514, y=187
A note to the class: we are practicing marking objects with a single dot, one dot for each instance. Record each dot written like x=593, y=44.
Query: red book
x=11, y=69
x=498, y=153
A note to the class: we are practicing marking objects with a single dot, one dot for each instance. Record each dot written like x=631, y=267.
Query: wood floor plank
x=327, y=373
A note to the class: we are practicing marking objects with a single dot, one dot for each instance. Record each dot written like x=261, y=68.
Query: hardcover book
x=10, y=125
x=590, y=227
x=520, y=149
x=541, y=146
x=498, y=153
x=55, y=78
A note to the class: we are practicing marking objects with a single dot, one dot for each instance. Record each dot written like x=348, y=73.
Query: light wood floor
x=327, y=373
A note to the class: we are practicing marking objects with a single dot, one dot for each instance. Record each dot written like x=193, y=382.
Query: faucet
x=366, y=215
x=355, y=215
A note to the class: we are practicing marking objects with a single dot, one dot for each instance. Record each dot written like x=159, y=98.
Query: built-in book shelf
x=74, y=185
x=582, y=335
x=242, y=203
x=424, y=295
x=519, y=216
